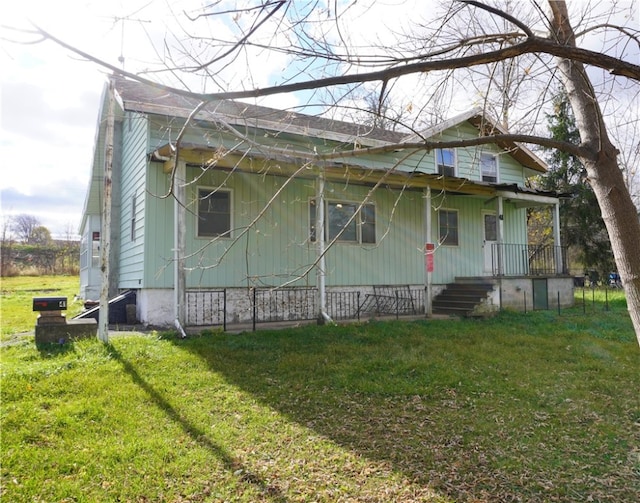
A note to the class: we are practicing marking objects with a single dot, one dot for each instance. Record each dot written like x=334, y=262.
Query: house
x=216, y=212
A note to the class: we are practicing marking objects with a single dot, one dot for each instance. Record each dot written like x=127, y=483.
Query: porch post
x=428, y=303
x=500, y=229
x=105, y=231
x=320, y=266
x=556, y=238
x=180, y=242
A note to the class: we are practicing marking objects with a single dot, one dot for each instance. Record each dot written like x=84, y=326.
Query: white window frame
x=442, y=241
x=357, y=221
x=482, y=171
x=455, y=161
x=226, y=235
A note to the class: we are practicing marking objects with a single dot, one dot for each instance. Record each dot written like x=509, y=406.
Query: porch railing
x=528, y=260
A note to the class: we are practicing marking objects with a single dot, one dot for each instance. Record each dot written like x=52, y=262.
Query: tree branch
x=571, y=148
x=530, y=46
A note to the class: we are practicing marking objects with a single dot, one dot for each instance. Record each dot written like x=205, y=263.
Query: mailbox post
x=50, y=309
x=52, y=326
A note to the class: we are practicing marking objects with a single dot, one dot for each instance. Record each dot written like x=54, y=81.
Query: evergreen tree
x=581, y=224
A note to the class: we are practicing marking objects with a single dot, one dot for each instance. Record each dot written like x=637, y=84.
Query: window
x=345, y=223
x=95, y=249
x=133, y=217
x=214, y=213
x=446, y=161
x=489, y=168
x=448, y=227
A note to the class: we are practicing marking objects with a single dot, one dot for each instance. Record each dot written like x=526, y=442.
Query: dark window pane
x=368, y=223
x=490, y=228
x=339, y=215
x=446, y=161
x=214, y=213
x=448, y=227
x=489, y=167
x=312, y=220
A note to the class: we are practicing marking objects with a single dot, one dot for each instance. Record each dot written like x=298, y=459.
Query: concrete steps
x=462, y=297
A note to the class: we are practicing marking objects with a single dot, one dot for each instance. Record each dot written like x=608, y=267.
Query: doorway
x=489, y=240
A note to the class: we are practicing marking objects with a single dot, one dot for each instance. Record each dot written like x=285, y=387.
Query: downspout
x=323, y=317
x=105, y=232
x=180, y=241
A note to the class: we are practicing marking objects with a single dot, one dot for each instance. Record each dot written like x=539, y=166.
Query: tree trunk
x=600, y=161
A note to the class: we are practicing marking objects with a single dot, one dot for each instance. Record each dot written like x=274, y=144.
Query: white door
x=489, y=238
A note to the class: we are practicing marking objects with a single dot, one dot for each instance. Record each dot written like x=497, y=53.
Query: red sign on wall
x=429, y=251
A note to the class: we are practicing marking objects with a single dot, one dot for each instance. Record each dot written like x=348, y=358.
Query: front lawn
x=16, y=299
x=535, y=407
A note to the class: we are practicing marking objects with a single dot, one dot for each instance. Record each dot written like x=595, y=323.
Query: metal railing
x=264, y=305
x=206, y=307
x=287, y=304
x=528, y=260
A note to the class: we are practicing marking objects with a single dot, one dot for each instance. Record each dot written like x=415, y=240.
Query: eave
x=305, y=167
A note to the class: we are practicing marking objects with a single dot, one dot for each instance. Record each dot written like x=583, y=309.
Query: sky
x=50, y=99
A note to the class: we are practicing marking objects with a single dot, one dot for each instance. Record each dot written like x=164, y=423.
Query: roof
x=145, y=98
x=139, y=97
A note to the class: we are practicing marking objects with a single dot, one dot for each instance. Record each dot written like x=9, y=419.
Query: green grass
x=535, y=407
x=16, y=302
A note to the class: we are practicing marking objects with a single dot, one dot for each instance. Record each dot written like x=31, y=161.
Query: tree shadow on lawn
x=435, y=419
x=197, y=434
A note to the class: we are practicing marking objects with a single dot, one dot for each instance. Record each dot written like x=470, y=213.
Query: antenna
x=122, y=20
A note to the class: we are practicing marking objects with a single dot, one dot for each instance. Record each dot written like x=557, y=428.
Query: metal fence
x=264, y=305
x=206, y=307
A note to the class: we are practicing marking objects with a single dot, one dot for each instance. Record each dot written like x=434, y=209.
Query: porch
x=509, y=259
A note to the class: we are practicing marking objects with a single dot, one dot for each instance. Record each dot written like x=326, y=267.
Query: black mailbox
x=49, y=303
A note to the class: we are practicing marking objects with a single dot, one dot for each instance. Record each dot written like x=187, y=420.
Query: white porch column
x=105, y=231
x=500, y=236
x=428, y=293
x=556, y=238
x=180, y=243
x=320, y=266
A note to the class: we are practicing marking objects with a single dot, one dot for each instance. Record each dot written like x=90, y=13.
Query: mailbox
x=49, y=303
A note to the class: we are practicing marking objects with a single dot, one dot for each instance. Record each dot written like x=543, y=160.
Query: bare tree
x=542, y=44
x=24, y=225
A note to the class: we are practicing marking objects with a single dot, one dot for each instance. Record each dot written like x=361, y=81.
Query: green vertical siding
x=158, y=229
x=276, y=249
x=133, y=180
x=270, y=243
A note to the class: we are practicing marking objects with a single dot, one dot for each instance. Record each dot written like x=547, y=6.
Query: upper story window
x=489, y=168
x=446, y=161
x=214, y=213
x=448, y=227
x=345, y=223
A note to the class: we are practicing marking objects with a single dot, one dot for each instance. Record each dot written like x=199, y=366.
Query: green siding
x=468, y=159
x=275, y=248
x=158, y=228
x=134, y=162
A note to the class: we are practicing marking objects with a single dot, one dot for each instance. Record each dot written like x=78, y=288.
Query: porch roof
x=304, y=165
